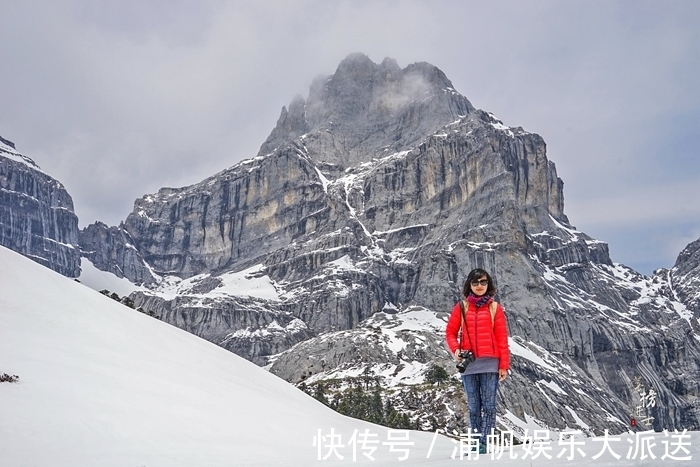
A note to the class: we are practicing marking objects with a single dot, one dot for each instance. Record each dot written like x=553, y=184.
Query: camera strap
x=465, y=307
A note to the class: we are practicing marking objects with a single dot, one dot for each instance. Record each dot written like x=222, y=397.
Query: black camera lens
x=466, y=358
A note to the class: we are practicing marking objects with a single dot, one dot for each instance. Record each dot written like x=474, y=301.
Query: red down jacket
x=488, y=339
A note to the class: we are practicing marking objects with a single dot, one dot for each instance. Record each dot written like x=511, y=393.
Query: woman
x=480, y=327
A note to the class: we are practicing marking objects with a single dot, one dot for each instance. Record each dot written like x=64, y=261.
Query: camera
x=467, y=357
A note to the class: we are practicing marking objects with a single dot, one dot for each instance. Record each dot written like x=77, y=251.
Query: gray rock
x=685, y=277
x=36, y=213
x=112, y=249
x=249, y=327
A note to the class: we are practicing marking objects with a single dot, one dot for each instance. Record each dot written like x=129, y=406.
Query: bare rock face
x=685, y=276
x=111, y=249
x=36, y=213
x=247, y=326
x=233, y=218
x=340, y=248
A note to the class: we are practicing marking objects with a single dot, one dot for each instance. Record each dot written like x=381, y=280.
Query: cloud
x=395, y=96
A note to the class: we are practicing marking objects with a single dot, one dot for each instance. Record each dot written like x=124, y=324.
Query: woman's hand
x=502, y=374
x=456, y=356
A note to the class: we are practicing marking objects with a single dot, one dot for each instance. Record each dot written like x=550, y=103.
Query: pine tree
x=320, y=394
x=376, y=408
x=436, y=374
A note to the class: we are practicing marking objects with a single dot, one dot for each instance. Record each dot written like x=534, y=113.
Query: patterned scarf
x=479, y=301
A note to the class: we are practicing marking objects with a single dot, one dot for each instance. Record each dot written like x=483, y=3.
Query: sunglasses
x=482, y=282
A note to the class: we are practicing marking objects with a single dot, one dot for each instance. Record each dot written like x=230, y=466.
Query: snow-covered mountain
x=100, y=384
x=333, y=256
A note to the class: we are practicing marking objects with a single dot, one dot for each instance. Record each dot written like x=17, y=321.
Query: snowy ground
x=101, y=280
x=103, y=385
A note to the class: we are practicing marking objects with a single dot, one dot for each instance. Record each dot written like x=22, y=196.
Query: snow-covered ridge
x=498, y=124
x=273, y=328
x=10, y=153
x=250, y=282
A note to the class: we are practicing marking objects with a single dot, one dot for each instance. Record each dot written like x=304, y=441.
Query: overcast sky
x=119, y=99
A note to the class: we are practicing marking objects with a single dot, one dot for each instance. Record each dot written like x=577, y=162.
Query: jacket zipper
x=476, y=341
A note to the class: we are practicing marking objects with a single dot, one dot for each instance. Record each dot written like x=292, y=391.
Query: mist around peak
x=364, y=104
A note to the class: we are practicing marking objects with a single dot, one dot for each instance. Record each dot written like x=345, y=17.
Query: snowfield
x=103, y=385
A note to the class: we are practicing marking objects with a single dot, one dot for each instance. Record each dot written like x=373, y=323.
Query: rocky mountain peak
x=364, y=105
x=7, y=142
x=357, y=68
x=689, y=258
x=290, y=124
x=8, y=150
x=389, y=65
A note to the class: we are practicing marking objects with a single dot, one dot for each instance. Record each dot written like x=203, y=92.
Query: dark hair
x=475, y=275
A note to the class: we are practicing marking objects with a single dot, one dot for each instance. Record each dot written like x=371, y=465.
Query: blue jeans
x=481, y=391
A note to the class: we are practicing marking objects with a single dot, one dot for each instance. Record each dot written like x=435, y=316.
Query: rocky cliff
x=36, y=213
x=684, y=277
x=338, y=250
x=111, y=249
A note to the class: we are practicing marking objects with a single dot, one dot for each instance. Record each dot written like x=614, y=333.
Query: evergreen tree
x=320, y=394
x=436, y=374
x=358, y=403
x=376, y=409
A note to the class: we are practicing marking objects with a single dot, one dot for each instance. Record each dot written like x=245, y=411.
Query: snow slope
x=101, y=280
x=103, y=385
